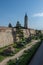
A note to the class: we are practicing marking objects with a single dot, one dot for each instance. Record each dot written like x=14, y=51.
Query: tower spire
x=26, y=21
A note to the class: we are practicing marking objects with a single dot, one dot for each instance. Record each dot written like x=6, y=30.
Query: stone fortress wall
x=6, y=36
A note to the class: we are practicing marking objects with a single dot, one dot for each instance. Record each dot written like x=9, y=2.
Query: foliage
x=1, y=58
x=11, y=62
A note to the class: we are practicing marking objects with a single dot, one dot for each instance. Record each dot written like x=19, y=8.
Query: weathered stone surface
x=6, y=38
x=8, y=35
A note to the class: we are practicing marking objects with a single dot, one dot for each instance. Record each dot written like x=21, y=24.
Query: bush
x=11, y=62
x=1, y=58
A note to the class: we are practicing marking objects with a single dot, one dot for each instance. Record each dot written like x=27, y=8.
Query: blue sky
x=14, y=10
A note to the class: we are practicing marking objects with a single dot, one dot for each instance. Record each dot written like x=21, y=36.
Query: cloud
x=38, y=15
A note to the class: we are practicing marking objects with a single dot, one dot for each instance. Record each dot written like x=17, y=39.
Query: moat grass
x=26, y=57
x=2, y=57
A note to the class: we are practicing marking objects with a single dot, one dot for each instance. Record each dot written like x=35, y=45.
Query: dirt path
x=28, y=46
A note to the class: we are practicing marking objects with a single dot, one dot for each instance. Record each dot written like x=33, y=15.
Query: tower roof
x=26, y=21
x=25, y=14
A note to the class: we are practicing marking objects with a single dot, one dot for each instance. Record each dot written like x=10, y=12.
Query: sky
x=12, y=11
